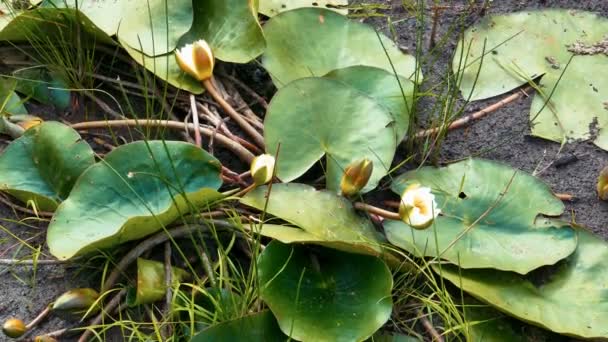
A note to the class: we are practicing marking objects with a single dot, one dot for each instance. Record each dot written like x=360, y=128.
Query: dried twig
x=197, y=133
x=5, y=200
x=377, y=211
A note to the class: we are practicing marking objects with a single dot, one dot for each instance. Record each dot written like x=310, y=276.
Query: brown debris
x=580, y=48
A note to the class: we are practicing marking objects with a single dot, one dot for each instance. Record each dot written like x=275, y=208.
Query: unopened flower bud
x=418, y=208
x=262, y=167
x=196, y=60
x=76, y=300
x=602, y=184
x=14, y=328
x=26, y=121
x=45, y=338
x=355, y=177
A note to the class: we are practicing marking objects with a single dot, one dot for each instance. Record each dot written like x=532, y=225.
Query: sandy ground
x=502, y=136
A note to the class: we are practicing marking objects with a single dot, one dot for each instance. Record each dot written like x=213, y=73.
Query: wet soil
x=502, y=136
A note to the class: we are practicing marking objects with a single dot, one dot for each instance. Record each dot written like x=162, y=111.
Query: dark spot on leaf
x=462, y=195
x=315, y=4
x=494, y=52
x=595, y=89
x=283, y=6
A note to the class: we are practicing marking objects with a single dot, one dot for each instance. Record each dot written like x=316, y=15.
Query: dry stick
x=197, y=133
x=30, y=262
x=108, y=308
x=38, y=318
x=246, y=88
x=465, y=120
x=378, y=211
x=104, y=106
x=151, y=242
x=233, y=146
x=255, y=135
x=247, y=112
x=215, y=119
x=426, y=323
x=17, y=207
x=168, y=293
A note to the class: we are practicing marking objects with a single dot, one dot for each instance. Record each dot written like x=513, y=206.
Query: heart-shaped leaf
x=43, y=164
x=489, y=218
x=313, y=117
x=321, y=218
x=325, y=296
x=309, y=42
x=258, y=327
x=522, y=46
x=569, y=298
x=136, y=190
x=152, y=26
x=273, y=7
x=230, y=27
x=393, y=91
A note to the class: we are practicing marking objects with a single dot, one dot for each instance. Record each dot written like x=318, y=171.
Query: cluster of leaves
x=344, y=93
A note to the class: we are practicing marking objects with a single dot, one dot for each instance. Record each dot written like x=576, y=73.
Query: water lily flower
x=196, y=60
x=355, y=177
x=261, y=169
x=76, y=300
x=418, y=208
x=14, y=327
x=602, y=184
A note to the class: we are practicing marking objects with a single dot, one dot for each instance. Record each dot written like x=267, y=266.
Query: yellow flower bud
x=261, y=169
x=196, y=60
x=45, y=338
x=76, y=300
x=25, y=121
x=602, y=184
x=418, y=208
x=355, y=177
x=14, y=328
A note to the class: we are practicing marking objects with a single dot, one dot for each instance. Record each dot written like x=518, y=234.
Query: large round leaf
x=570, y=298
x=136, y=190
x=152, y=26
x=525, y=45
x=273, y=7
x=309, y=42
x=43, y=164
x=230, y=27
x=325, y=296
x=313, y=117
x=393, y=91
x=321, y=217
x=258, y=327
x=489, y=218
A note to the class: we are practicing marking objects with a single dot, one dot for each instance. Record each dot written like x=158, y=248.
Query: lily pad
x=525, y=45
x=316, y=117
x=326, y=296
x=489, y=218
x=395, y=92
x=273, y=7
x=321, y=218
x=44, y=87
x=43, y=165
x=486, y=324
x=258, y=327
x=10, y=102
x=136, y=190
x=309, y=42
x=570, y=298
x=230, y=27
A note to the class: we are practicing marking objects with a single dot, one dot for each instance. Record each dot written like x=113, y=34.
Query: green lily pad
x=321, y=218
x=271, y=8
x=479, y=228
x=44, y=87
x=316, y=117
x=328, y=296
x=522, y=46
x=153, y=26
x=53, y=24
x=136, y=190
x=43, y=165
x=570, y=298
x=10, y=102
x=396, y=93
x=486, y=324
x=166, y=68
x=258, y=327
x=230, y=27
x=310, y=42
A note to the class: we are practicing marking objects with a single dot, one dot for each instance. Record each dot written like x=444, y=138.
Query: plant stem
x=107, y=309
x=38, y=318
x=234, y=115
x=6, y=201
x=233, y=146
x=168, y=292
x=479, y=114
x=248, y=90
x=197, y=133
x=378, y=211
